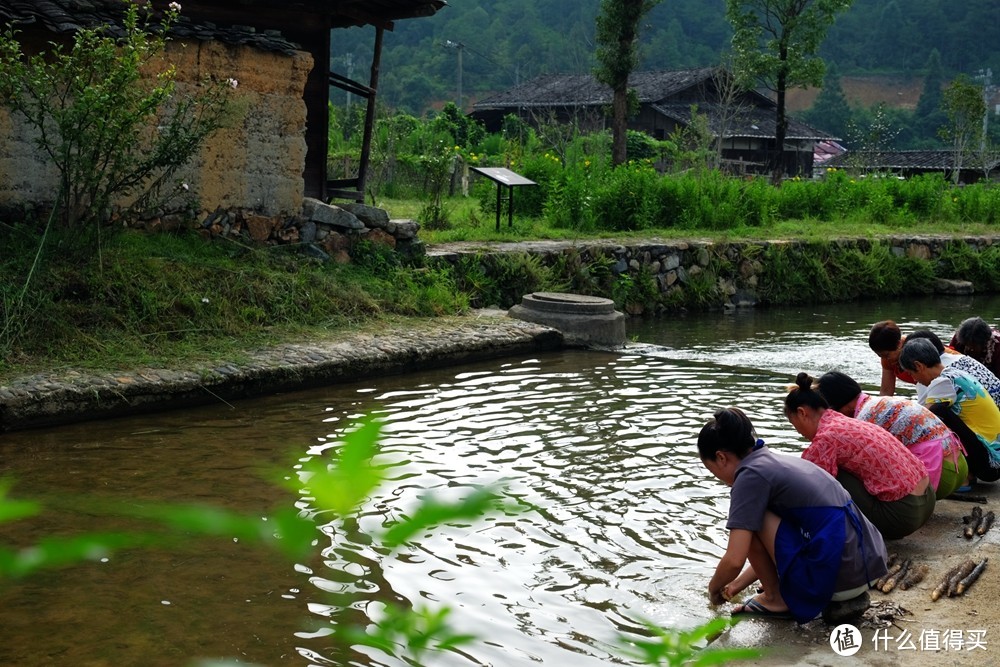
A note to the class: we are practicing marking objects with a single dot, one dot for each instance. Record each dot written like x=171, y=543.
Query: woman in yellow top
x=961, y=402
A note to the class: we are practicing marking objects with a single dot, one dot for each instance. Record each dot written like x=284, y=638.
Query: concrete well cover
x=567, y=303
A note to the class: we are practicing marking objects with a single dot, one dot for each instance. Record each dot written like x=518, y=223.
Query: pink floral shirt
x=884, y=465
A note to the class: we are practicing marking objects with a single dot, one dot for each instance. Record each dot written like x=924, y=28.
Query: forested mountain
x=899, y=35
x=505, y=42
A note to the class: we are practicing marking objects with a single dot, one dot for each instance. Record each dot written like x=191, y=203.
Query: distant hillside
x=501, y=43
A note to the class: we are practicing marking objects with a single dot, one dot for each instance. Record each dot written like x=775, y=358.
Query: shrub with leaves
x=623, y=200
x=114, y=133
x=437, y=164
x=568, y=203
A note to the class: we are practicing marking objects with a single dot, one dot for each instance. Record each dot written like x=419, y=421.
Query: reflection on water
x=806, y=338
x=624, y=520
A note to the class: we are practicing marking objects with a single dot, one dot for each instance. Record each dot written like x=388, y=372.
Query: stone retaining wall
x=321, y=231
x=730, y=271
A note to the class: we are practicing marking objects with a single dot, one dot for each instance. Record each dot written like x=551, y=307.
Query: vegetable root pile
x=958, y=579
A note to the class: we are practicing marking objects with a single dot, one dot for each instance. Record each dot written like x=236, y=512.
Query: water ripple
x=604, y=455
x=621, y=520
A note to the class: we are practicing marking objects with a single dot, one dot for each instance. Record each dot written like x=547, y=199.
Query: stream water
x=625, y=523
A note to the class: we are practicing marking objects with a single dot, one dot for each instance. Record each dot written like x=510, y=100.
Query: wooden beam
x=350, y=85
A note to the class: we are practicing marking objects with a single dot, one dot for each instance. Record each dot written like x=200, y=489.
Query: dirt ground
x=900, y=92
x=953, y=631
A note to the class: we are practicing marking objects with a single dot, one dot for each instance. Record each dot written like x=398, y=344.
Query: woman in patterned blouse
x=887, y=482
x=963, y=362
x=914, y=425
x=976, y=338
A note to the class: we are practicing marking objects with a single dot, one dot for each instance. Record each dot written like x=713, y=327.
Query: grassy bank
x=466, y=221
x=171, y=298
x=168, y=298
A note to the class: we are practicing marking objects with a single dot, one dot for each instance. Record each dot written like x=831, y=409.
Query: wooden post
x=510, y=207
x=499, y=204
x=366, y=141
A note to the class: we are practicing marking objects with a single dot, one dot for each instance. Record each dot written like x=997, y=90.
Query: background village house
x=972, y=167
x=277, y=50
x=744, y=121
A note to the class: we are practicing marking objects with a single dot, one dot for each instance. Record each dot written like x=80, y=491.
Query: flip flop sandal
x=754, y=608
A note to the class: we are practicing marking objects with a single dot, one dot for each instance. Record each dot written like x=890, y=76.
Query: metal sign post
x=504, y=177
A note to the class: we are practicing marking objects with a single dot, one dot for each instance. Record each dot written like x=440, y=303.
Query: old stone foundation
x=584, y=321
x=322, y=231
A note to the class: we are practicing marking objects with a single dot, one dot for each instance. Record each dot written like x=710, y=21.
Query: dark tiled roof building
x=744, y=122
x=971, y=168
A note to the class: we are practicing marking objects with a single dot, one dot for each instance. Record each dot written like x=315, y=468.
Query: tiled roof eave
x=921, y=160
x=557, y=89
x=480, y=106
x=681, y=114
x=64, y=16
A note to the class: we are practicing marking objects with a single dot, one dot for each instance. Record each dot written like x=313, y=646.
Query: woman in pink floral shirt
x=885, y=480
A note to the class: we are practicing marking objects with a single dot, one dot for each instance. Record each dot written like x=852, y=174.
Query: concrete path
x=66, y=396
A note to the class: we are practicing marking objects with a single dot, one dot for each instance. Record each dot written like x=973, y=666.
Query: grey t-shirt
x=779, y=483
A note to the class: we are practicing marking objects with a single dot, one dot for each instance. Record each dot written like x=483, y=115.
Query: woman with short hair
x=886, y=340
x=961, y=402
x=963, y=362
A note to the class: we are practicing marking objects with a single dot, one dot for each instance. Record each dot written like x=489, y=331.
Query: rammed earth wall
x=655, y=276
x=255, y=164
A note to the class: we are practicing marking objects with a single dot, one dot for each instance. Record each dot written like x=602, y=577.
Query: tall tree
x=964, y=104
x=830, y=111
x=775, y=42
x=617, y=55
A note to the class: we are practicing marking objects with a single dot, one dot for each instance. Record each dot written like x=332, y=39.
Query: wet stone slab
x=47, y=399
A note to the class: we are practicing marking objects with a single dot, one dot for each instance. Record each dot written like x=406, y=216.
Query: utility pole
x=458, y=46
x=986, y=76
x=349, y=64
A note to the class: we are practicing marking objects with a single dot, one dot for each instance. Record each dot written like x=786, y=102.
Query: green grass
x=172, y=299
x=468, y=223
